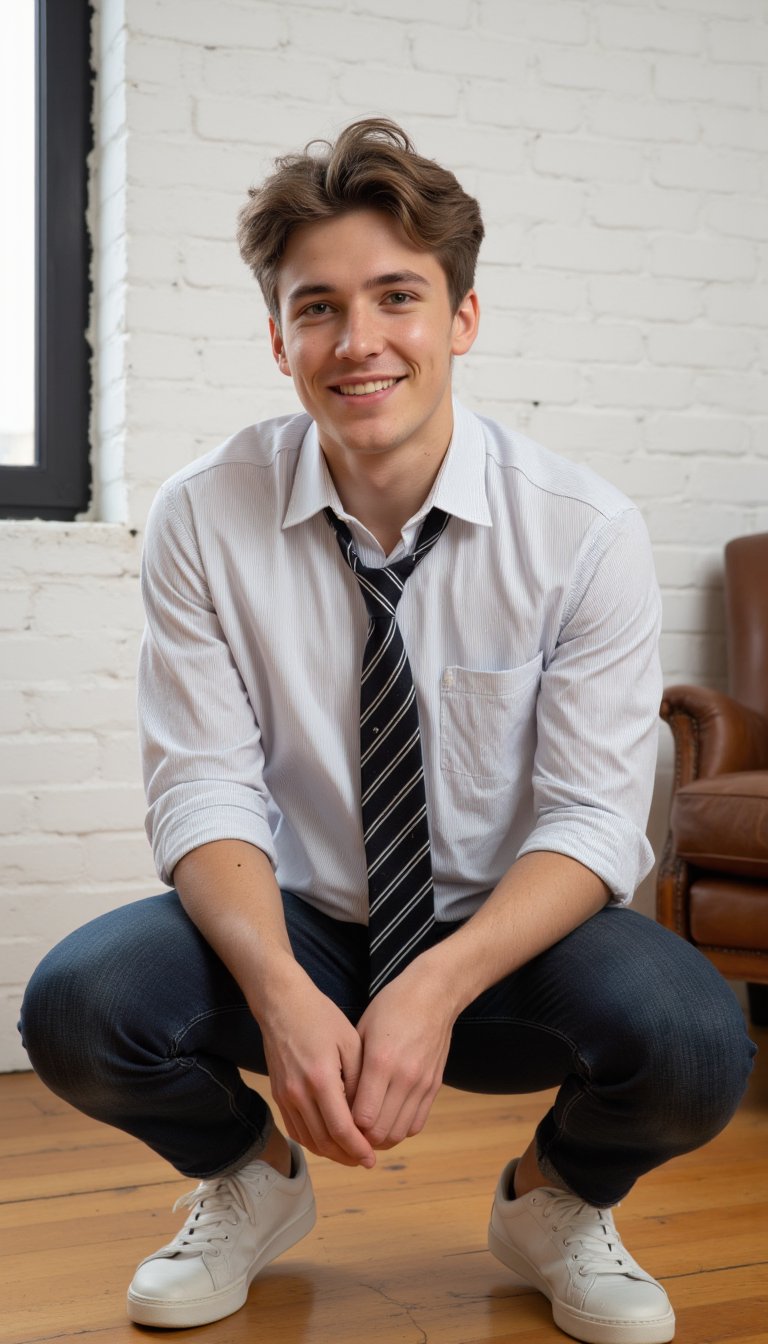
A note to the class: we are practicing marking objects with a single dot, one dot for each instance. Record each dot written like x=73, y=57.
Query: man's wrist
x=276, y=980
x=444, y=971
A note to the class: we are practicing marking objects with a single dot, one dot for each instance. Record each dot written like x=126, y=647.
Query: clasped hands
x=346, y=1091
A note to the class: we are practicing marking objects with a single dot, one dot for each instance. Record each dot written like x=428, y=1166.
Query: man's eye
x=316, y=309
x=398, y=297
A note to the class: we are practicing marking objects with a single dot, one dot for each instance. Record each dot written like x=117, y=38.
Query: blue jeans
x=134, y=1020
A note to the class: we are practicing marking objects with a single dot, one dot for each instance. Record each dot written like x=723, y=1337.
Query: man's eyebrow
x=396, y=278
x=320, y=290
x=308, y=292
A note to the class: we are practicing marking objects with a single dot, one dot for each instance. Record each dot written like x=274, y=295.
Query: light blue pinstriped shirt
x=531, y=628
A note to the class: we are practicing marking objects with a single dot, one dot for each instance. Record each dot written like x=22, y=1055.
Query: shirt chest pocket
x=488, y=721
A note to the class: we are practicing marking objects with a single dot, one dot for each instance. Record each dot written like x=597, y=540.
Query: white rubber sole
x=579, y=1324
x=215, y=1306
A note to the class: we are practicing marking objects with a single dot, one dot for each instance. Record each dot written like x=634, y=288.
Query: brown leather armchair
x=713, y=879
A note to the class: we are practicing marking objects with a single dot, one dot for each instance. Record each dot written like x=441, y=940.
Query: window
x=45, y=137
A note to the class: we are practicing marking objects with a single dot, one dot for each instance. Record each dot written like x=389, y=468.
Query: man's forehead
x=362, y=248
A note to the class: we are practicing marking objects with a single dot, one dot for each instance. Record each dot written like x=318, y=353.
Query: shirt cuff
x=185, y=818
x=611, y=846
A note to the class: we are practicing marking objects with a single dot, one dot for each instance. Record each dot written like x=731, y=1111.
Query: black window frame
x=58, y=485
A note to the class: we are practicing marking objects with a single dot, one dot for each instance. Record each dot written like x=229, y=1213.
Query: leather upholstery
x=725, y=913
x=722, y=824
x=713, y=878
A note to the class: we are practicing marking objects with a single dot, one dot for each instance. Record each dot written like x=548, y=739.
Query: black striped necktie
x=401, y=910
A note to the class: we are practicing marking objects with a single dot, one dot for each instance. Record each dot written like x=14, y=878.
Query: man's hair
x=371, y=166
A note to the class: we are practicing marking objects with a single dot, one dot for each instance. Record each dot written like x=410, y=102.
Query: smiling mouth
x=364, y=389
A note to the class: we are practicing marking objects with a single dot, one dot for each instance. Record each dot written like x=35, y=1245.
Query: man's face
x=367, y=333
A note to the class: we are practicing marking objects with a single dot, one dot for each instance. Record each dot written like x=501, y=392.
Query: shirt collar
x=459, y=488
x=460, y=485
x=313, y=488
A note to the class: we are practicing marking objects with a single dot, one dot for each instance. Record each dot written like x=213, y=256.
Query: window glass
x=17, y=233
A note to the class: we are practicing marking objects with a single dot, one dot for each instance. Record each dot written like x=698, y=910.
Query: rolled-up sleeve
x=201, y=745
x=597, y=714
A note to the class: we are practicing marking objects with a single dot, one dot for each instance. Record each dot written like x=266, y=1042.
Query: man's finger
x=351, y=1067
x=340, y=1129
x=369, y=1100
x=422, y=1113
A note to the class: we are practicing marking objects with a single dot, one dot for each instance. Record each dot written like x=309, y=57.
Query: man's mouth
x=364, y=389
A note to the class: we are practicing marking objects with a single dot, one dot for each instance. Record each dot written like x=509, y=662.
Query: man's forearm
x=540, y=899
x=229, y=891
x=313, y=1054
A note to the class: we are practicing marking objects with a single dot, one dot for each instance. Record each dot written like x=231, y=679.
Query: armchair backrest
x=746, y=613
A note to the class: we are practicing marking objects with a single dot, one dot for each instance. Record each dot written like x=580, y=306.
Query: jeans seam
x=585, y=1077
x=176, y=1040
x=530, y=1026
x=583, y=1064
x=190, y=1063
x=233, y=1107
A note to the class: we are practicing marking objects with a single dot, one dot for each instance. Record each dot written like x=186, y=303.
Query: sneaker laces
x=594, y=1230
x=217, y=1204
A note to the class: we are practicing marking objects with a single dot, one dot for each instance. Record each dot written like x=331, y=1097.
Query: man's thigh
x=147, y=981
x=618, y=989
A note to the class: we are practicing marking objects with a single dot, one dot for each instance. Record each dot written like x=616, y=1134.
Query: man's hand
x=314, y=1058
x=405, y=1033
x=406, y=1030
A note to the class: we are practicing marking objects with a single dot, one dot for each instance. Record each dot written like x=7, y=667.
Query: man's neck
x=381, y=495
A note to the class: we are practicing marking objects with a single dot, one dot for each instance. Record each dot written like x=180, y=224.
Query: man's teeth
x=360, y=389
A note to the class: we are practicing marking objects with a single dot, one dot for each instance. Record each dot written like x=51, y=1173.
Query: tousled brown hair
x=372, y=165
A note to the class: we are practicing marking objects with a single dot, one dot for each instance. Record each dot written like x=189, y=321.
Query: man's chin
x=367, y=443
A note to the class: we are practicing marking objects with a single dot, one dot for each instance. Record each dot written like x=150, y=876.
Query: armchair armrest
x=713, y=733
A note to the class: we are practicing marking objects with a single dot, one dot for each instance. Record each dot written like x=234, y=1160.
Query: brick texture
x=618, y=150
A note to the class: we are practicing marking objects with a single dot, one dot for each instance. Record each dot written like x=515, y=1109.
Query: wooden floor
x=398, y=1255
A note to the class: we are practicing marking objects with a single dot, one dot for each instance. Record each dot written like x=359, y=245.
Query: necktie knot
x=382, y=587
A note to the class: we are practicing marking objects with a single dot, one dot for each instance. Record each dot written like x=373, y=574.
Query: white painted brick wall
x=618, y=149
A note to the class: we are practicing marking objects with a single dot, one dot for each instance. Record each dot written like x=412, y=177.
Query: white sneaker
x=237, y=1225
x=573, y=1254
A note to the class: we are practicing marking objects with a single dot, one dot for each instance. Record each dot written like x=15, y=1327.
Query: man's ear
x=278, y=349
x=466, y=323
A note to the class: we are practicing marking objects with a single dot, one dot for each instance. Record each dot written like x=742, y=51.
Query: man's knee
x=713, y=1057
x=77, y=1000
x=657, y=1017
x=57, y=1019
x=685, y=1037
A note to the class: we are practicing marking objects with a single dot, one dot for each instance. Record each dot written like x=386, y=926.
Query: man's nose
x=360, y=336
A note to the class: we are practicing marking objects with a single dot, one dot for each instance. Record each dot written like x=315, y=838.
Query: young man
x=398, y=694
